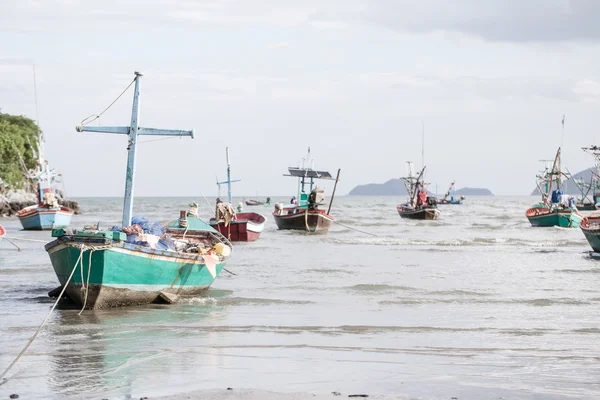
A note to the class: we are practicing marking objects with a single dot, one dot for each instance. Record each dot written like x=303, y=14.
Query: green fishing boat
x=556, y=208
x=590, y=226
x=140, y=262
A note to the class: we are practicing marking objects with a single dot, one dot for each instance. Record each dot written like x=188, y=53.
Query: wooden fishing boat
x=552, y=211
x=427, y=213
x=105, y=269
x=41, y=217
x=419, y=205
x=48, y=213
x=244, y=226
x=306, y=215
x=452, y=194
x=251, y=202
x=590, y=226
x=543, y=216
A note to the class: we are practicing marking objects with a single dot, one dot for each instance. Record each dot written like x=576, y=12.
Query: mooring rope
x=82, y=249
x=26, y=240
x=14, y=244
x=87, y=284
x=2, y=380
x=306, y=220
x=354, y=229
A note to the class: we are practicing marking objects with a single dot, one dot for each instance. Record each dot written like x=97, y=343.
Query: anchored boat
x=237, y=227
x=590, y=226
x=419, y=204
x=556, y=208
x=306, y=215
x=584, y=203
x=452, y=200
x=130, y=265
x=48, y=213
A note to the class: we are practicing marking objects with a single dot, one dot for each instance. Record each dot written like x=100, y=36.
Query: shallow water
x=475, y=305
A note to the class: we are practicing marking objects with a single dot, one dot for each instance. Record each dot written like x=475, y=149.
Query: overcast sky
x=353, y=79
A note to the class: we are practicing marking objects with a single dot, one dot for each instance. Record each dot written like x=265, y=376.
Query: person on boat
x=421, y=197
x=572, y=203
x=268, y=202
x=565, y=201
x=293, y=200
x=555, y=198
x=240, y=207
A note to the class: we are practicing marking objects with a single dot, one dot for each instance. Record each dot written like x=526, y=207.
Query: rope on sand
x=2, y=380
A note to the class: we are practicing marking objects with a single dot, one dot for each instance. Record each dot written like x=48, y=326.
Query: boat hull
x=303, y=220
x=590, y=227
x=422, y=214
x=246, y=228
x=586, y=207
x=125, y=274
x=40, y=218
x=450, y=202
x=544, y=217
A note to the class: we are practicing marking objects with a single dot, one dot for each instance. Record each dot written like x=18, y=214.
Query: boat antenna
x=422, y=144
x=562, y=139
x=37, y=121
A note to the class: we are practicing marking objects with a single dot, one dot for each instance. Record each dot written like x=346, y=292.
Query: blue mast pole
x=133, y=130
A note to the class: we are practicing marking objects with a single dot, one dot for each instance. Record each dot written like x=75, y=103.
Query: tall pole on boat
x=422, y=144
x=562, y=138
x=337, y=178
x=132, y=131
x=228, y=175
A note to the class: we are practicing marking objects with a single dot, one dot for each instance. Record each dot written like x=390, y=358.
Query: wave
x=467, y=300
x=242, y=301
x=457, y=242
x=377, y=287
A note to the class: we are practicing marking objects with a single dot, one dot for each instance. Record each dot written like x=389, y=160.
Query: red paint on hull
x=247, y=227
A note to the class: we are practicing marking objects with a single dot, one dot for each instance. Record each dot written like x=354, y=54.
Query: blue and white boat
x=39, y=218
x=47, y=214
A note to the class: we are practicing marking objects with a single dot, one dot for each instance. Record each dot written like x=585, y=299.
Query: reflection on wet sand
x=117, y=352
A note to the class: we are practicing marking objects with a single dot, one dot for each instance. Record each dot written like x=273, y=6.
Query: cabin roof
x=308, y=173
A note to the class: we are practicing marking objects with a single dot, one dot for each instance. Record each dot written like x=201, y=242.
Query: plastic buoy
x=222, y=249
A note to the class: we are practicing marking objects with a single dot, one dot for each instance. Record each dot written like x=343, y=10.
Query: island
x=395, y=187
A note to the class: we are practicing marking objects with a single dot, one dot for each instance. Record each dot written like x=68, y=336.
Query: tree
x=19, y=137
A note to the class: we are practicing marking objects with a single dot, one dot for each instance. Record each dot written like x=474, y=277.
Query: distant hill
x=395, y=187
x=570, y=186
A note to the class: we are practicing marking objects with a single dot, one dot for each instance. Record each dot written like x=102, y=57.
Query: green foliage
x=18, y=135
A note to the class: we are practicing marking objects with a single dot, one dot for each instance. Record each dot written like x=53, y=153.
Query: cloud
x=507, y=20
